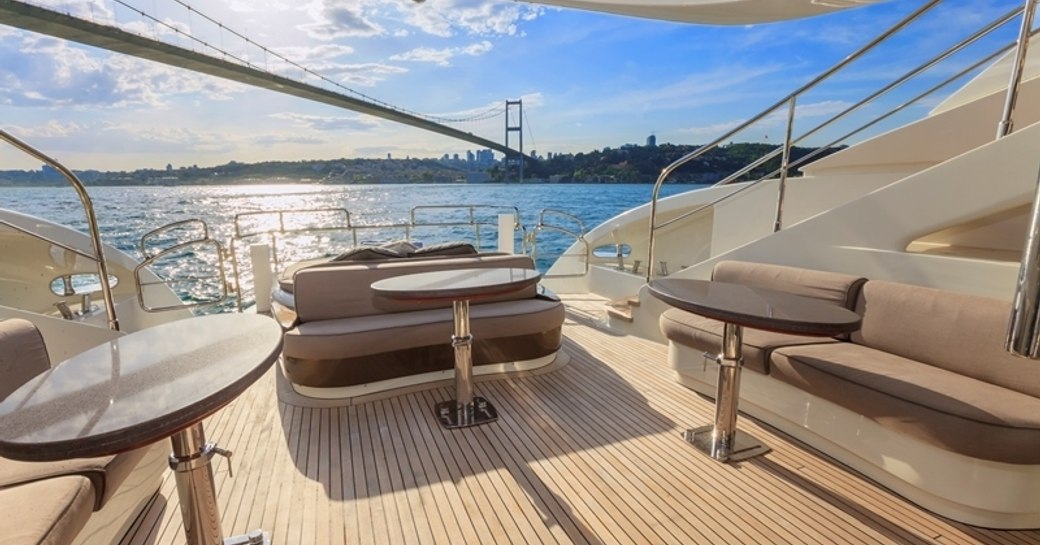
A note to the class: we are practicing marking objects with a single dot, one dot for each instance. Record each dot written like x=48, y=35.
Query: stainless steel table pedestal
x=190, y=462
x=721, y=440
x=466, y=409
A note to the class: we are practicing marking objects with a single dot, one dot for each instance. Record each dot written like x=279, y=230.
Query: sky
x=587, y=80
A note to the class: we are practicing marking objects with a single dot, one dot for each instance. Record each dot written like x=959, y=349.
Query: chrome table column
x=721, y=440
x=191, y=464
x=738, y=306
x=466, y=409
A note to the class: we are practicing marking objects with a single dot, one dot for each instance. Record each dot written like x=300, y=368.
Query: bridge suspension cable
x=228, y=65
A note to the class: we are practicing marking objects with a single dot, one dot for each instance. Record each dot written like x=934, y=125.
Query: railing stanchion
x=1007, y=121
x=784, y=162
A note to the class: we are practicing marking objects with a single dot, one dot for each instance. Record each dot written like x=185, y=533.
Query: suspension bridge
x=219, y=61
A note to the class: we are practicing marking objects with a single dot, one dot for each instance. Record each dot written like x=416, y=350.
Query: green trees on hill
x=627, y=164
x=633, y=164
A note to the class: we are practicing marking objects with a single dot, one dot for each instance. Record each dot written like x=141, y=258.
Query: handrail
x=172, y=250
x=92, y=225
x=578, y=236
x=347, y=225
x=790, y=101
x=909, y=75
x=470, y=221
x=143, y=243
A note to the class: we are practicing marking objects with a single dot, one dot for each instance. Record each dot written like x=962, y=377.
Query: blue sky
x=587, y=80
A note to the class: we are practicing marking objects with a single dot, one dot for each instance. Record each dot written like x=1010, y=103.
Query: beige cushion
x=375, y=334
x=326, y=293
x=447, y=248
x=961, y=333
x=368, y=253
x=840, y=289
x=22, y=354
x=705, y=334
x=49, y=512
x=106, y=474
x=938, y=406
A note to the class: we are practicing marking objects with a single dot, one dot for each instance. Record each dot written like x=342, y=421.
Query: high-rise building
x=651, y=141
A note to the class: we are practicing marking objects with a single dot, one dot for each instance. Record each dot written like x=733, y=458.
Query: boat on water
x=908, y=431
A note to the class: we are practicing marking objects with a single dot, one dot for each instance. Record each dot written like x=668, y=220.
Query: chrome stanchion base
x=455, y=415
x=744, y=445
x=256, y=537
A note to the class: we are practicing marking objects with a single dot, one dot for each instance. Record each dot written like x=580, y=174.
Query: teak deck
x=587, y=453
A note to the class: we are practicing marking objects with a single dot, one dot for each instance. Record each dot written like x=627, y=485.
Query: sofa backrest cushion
x=22, y=354
x=323, y=293
x=957, y=332
x=840, y=289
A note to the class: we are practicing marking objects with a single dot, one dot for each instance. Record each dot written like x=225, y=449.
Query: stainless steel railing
x=790, y=103
x=98, y=255
x=578, y=236
x=475, y=217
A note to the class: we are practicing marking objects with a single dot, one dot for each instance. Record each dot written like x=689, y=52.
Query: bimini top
x=719, y=12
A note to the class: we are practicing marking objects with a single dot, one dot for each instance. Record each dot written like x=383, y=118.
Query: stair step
x=622, y=308
x=619, y=314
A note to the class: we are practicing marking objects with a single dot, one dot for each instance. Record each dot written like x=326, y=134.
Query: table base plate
x=745, y=446
x=453, y=415
x=255, y=537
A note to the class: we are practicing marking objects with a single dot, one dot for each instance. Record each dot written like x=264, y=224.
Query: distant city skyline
x=587, y=80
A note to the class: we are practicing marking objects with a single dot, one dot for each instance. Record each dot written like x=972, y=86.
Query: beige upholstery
x=106, y=473
x=374, y=334
x=22, y=354
x=324, y=293
x=48, y=512
x=705, y=334
x=927, y=363
x=837, y=288
x=944, y=408
x=22, y=357
x=961, y=333
x=345, y=334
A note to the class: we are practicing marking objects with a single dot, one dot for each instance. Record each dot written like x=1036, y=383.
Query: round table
x=739, y=306
x=460, y=286
x=141, y=388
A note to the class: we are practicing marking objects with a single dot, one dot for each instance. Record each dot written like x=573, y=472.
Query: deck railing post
x=1023, y=337
x=784, y=162
x=1007, y=121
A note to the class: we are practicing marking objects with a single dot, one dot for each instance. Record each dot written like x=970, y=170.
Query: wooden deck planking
x=588, y=453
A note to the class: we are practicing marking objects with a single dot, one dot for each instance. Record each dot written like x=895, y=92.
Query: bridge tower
x=518, y=128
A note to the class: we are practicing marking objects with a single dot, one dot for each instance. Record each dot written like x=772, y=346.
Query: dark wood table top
x=757, y=308
x=137, y=389
x=456, y=284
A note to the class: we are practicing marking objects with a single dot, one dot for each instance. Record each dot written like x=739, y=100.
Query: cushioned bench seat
x=930, y=364
x=923, y=398
x=48, y=512
x=105, y=474
x=705, y=334
x=943, y=408
x=347, y=335
x=55, y=501
x=361, y=349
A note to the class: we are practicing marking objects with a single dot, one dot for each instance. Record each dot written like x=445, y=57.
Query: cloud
x=92, y=10
x=446, y=18
x=773, y=122
x=107, y=137
x=51, y=72
x=333, y=19
x=442, y=57
x=278, y=139
x=51, y=129
x=320, y=123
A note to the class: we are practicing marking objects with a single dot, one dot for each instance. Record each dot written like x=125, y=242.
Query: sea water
x=126, y=213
